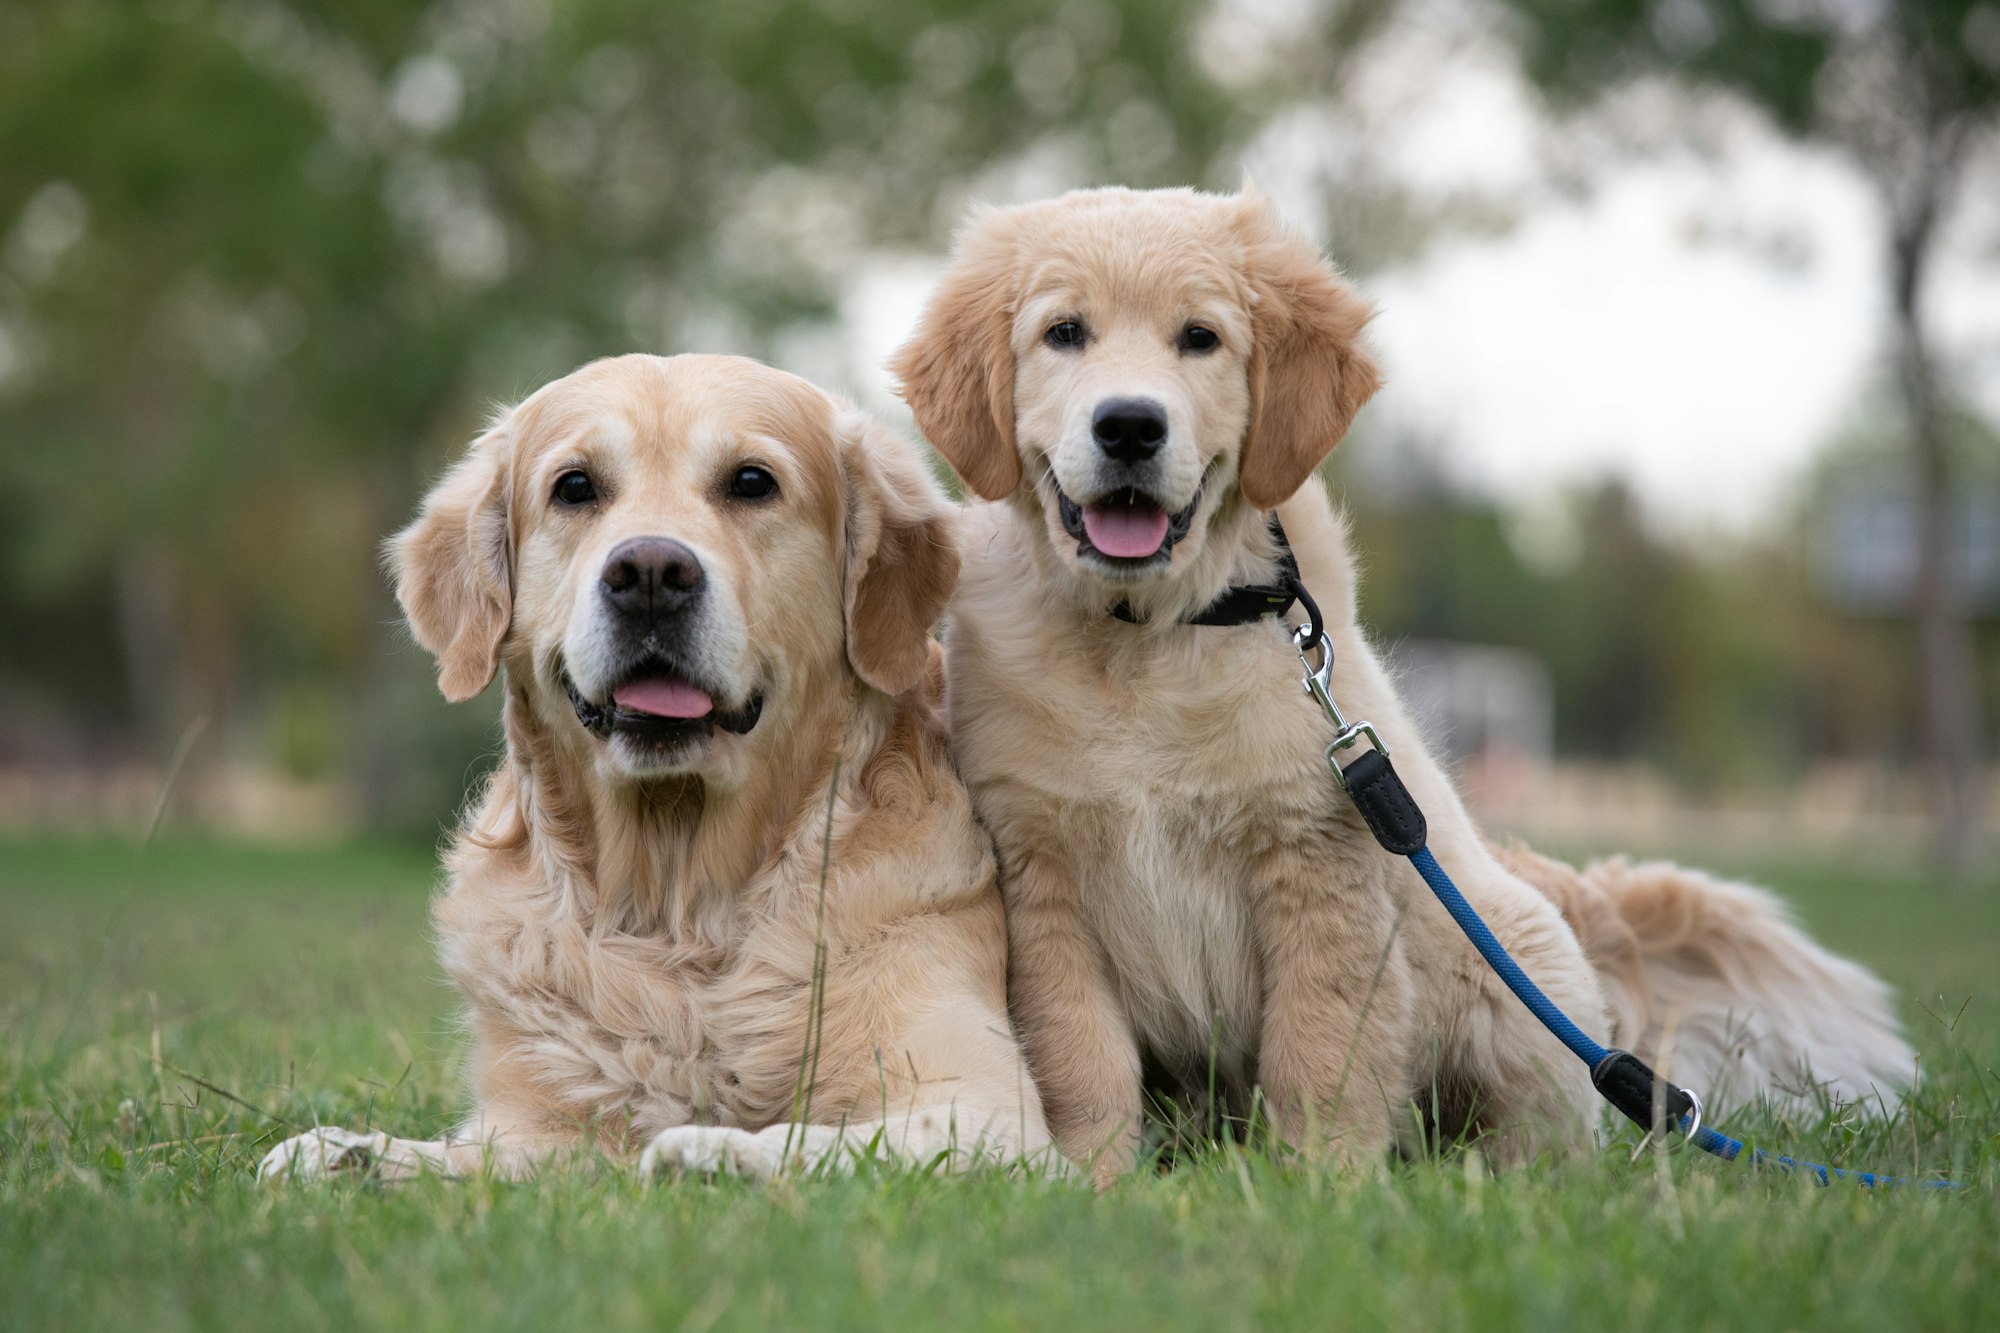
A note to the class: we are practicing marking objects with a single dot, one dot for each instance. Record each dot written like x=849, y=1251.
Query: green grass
x=301, y=985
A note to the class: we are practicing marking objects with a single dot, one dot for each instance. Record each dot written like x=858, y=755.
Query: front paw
x=710, y=1150
x=322, y=1153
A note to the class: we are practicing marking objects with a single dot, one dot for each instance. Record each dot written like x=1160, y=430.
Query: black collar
x=1243, y=603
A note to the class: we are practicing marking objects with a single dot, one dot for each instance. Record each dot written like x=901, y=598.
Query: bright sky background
x=1699, y=323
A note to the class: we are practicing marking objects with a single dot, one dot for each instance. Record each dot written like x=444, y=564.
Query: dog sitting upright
x=710, y=588
x=1131, y=383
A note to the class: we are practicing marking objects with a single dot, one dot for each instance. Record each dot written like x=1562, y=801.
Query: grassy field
x=164, y=1018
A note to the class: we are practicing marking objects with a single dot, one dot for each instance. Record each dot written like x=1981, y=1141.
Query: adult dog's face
x=668, y=550
x=1134, y=366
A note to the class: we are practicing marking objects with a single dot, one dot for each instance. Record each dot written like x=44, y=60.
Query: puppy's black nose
x=1130, y=430
x=652, y=576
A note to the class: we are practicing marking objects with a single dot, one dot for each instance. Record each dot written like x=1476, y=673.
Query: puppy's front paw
x=322, y=1153
x=710, y=1150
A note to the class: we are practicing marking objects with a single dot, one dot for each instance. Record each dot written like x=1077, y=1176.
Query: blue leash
x=1620, y=1077
x=1709, y=1140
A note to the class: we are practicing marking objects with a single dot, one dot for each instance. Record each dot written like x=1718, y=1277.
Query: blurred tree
x=1657, y=654
x=1857, y=536
x=1905, y=88
x=1728, y=663
x=262, y=262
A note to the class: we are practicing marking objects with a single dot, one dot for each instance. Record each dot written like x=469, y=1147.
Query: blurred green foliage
x=265, y=265
x=1724, y=661
x=1800, y=60
x=1907, y=91
x=268, y=263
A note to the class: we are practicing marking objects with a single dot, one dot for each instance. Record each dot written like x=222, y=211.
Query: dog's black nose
x=652, y=576
x=1130, y=430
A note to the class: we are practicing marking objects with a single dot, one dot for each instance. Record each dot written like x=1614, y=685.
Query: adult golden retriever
x=1132, y=382
x=709, y=588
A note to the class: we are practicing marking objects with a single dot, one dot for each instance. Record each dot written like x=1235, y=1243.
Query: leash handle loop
x=1646, y=1099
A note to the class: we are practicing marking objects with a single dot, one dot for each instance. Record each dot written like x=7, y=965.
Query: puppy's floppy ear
x=957, y=369
x=902, y=554
x=1309, y=373
x=454, y=568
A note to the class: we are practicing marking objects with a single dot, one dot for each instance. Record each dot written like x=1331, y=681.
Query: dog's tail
x=1715, y=985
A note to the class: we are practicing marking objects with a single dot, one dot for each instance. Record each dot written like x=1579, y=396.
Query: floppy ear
x=957, y=369
x=454, y=569
x=902, y=555
x=1309, y=373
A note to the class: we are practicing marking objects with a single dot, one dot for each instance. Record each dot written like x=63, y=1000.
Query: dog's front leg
x=509, y=1145
x=320, y=1154
x=953, y=1136
x=1079, y=1042
x=1338, y=998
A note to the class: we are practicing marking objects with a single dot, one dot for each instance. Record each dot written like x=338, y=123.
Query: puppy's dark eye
x=1199, y=338
x=574, y=488
x=1066, y=333
x=753, y=483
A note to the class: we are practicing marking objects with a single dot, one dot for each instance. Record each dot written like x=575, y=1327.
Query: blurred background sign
x=1690, y=312
x=1867, y=542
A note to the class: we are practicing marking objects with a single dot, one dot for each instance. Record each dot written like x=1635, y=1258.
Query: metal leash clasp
x=1684, y=1130
x=1318, y=681
x=1691, y=1126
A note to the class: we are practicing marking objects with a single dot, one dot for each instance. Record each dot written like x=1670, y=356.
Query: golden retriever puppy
x=1131, y=383
x=724, y=899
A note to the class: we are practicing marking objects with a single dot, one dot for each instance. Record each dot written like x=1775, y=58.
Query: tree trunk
x=1947, y=675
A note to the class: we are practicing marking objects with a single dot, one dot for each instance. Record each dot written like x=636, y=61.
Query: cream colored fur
x=1183, y=880
x=636, y=946
x=1715, y=984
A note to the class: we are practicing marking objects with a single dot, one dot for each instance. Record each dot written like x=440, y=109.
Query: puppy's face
x=1131, y=390
x=1135, y=366
x=665, y=551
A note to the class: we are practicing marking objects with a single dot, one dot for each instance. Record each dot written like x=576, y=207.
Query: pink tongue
x=1125, y=532
x=663, y=698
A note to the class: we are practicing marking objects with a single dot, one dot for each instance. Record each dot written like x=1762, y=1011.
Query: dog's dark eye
x=575, y=488
x=753, y=483
x=1066, y=333
x=1199, y=338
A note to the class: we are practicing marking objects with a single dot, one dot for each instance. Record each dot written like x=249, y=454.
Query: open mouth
x=657, y=704
x=1127, y=527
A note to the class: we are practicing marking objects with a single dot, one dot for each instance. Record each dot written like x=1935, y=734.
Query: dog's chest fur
x=653, y=1031
x=1177, y=930
x=1153, y=766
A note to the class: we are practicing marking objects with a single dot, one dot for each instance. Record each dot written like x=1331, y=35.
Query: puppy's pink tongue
x=663, y=697
x=1125, y=532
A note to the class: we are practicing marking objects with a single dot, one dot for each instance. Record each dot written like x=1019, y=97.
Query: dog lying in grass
x=1132, y=384
x=723, y=903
